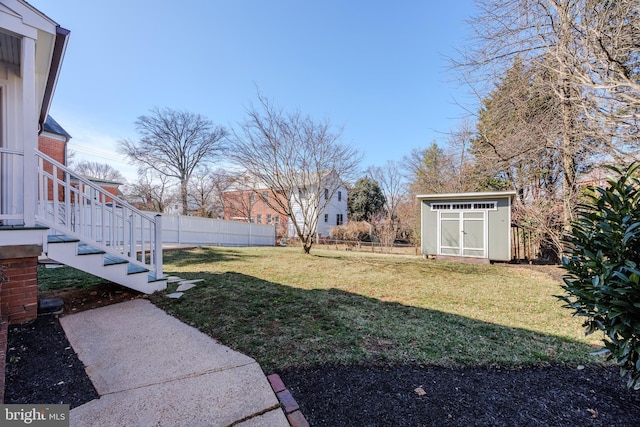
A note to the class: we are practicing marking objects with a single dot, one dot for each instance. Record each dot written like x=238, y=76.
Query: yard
x=286, y=309
x=369, y=339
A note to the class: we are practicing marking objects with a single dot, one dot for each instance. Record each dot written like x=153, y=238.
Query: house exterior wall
x=13, y=138
x=329, y=216
x=239, y=206
x=498, y=222
x=250, y=206
x=55, y=147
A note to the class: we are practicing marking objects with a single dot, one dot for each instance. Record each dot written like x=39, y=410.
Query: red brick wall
x=55, y=149
x=237, y=204
x=52, y=147
x=19, y=289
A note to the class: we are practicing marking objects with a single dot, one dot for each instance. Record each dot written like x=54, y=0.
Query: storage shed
x=476, y=226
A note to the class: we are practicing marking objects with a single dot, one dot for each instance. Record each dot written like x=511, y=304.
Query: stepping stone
x=175, y=295
x=185, y=287
x=188, y=282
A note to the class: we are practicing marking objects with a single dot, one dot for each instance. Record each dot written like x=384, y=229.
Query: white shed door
x=462, y=234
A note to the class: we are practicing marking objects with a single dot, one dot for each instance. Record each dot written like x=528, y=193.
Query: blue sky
x=377, y=69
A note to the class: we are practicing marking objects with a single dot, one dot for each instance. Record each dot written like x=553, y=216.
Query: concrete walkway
x=150, y=369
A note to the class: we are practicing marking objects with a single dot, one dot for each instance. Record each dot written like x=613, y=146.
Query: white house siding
x=334, y=208
x=22, y=89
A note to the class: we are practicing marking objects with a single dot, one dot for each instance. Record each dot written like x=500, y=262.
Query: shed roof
x=471, y=196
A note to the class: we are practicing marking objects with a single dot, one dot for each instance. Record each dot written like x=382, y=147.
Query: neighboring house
x=41, y=211
x=110, y=187
x=333, y=214
x=52, y=141
x=247, y=201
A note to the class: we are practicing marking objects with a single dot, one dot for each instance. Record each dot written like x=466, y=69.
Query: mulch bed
x=411, y=395
x=42, y=368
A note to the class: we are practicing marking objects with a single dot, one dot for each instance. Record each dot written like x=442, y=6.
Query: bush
x=603, y=280
x=355, y=231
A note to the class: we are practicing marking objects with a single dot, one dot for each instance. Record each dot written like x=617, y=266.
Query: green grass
x=51, y=279
x=286, y=309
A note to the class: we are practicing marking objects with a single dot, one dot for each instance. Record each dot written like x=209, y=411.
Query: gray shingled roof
x=52, y=126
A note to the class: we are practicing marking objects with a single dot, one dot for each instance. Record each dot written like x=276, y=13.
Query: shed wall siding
x=500, y=231
x=498, y=223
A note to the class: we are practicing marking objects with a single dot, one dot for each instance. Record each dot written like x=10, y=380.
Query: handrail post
x=158, y=246
x=132, y=248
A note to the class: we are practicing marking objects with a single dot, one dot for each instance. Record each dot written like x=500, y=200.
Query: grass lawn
x=286, y=309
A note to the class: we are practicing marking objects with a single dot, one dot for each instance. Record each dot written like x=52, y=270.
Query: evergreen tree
x=365, y=200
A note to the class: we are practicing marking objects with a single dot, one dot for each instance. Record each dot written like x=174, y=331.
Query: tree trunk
x=183, y=196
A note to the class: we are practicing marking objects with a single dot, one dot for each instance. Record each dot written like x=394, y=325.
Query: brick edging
x=288, y=403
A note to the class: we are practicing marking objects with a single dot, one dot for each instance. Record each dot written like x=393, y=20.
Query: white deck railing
x=72, y=205
x=11, y=206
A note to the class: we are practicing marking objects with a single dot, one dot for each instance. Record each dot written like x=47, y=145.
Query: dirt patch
x=80, y=299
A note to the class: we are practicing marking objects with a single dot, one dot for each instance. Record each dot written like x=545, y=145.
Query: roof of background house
x=51, y=126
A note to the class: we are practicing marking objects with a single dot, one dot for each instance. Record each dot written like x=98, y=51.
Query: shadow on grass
x=282, y=326
x=189, y=257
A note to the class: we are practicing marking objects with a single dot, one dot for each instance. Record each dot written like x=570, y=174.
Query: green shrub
x=603, y=280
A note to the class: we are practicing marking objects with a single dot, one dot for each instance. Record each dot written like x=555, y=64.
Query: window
x=268, y=218
x=465, y=206
x=339, y=196
x=326, y=217
x=485, y=205
x=326, y=194
x=461, y=206
x=259, y=218
x=440, y=206
x=276, y=219
x=339, y=218
x=265, y=196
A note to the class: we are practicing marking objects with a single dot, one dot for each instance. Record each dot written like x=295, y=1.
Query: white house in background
x=331, y=198
x=37, y=198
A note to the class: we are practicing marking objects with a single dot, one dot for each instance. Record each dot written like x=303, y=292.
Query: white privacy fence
x=190, y=230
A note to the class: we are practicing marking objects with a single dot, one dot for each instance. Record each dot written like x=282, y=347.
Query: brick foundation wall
x=3, y=354
x=19, y=289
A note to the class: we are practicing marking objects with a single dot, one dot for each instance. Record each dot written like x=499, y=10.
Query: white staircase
x=92, y=230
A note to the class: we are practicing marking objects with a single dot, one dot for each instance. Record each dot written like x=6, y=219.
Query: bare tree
x=174, y=143
x=392, y=182
x=152, y=191
x=241, y=195
x=99, y=170
x=300, y=161
x=588, y=51
x=430, y=170
x=206, y=189
x=221, y=181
